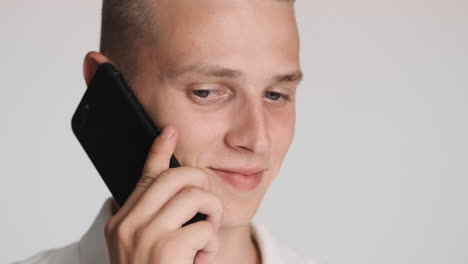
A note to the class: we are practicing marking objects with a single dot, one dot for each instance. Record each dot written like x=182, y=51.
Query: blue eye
x=202, y=93
x=273, y=95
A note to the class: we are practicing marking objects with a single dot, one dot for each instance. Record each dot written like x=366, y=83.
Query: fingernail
x=168, y=132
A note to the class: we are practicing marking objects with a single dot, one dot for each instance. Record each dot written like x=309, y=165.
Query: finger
x=157, y=160
x=183, y=206
x=160, y=153
x=165, y=187
x=202, y=239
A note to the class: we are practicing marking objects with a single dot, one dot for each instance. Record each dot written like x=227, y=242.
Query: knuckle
x=192, y=191
x=138, y=235
x=207, y=228
x=122, y=232
x=145, y=179
x=219, y=203
x=142, y=240
x=166, y=174
x=190, y=174
x=202, y=177
x=109, y=227
x=215, y=201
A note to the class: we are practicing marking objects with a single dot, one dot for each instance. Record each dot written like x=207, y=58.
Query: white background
x=378, y=172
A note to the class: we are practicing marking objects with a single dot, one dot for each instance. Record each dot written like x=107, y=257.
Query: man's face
x=225, y=119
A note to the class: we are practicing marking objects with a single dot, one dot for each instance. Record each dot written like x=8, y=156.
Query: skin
x=246, y=121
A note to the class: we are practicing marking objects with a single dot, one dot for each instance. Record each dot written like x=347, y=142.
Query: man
x=220, y=77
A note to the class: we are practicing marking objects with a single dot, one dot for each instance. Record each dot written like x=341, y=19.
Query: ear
x=91, y=62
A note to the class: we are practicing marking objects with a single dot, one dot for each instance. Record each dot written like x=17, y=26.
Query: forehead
x=231, y=33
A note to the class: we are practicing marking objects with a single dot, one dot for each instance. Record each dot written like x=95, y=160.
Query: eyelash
x=283, y=96
x=203, y=90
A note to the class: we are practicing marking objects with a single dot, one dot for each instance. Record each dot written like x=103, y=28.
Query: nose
x=249, y=130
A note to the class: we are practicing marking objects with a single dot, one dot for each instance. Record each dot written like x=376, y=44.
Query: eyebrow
x=213, y=70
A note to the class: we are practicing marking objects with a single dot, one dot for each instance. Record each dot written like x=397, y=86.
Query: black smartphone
x=116, y=133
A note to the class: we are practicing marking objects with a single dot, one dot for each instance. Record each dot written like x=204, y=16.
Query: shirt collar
x=93, y=248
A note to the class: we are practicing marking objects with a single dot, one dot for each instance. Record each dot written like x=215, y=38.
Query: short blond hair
x=126, y=26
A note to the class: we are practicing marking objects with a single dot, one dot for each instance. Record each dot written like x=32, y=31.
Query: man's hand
x=147, y=229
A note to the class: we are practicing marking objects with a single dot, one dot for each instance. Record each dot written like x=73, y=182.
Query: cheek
x=199, y=133
x=196, y=137
x=283, y=127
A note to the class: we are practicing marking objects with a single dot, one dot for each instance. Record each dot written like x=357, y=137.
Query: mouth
x=242, y=179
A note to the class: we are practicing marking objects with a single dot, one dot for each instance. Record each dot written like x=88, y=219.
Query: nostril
x=245, y=148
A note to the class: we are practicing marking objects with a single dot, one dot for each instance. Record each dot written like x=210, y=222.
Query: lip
x=243, y=179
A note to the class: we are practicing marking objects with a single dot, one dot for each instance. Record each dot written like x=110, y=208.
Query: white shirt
x=92, y=248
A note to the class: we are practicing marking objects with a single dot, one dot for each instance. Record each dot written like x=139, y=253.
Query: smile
x=240, y=179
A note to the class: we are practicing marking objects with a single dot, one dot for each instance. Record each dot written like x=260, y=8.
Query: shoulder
x=272, y=251
x=68, y=254
x=91, y=248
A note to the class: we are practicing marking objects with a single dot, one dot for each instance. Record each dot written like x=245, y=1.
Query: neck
x=237, y=245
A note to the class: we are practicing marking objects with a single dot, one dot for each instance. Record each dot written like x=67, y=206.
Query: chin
x=233, y=219
x=240, y=206
x=238, y=210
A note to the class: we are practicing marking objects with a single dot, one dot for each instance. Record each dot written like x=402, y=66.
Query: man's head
x=224, y=72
